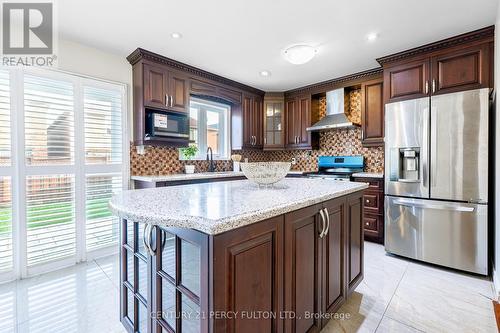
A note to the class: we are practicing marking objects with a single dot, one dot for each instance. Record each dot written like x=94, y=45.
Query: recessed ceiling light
x=176, y=35
x=265, y=73
x=299, y=54
x=372, y=36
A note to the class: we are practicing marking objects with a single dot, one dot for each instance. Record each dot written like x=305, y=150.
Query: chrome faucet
x=211, y=166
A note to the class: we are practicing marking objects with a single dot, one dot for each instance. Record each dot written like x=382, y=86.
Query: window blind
x=50, y=216
x=5, y=224
x=5, y=122
x=101, y=226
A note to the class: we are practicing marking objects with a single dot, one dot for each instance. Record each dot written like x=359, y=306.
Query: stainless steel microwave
x=167, y=124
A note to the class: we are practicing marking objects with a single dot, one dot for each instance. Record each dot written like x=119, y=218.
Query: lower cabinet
x=373, y=201
x=283, y=274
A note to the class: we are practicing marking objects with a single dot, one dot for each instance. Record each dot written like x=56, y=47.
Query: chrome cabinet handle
x=265, y=140
x=322, y=233
x=426, y=87
x=147, y=239
x=172, y=101
x=327, y=221
x=433, y=85
x=145, y=236
x=166, y=99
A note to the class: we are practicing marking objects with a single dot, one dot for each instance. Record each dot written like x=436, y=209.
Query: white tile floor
x=396, y=296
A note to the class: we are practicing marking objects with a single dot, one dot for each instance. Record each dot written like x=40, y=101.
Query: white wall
x=496, y=272
x=80, y=59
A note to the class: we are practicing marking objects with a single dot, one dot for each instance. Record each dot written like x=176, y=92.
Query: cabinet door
x=178, y=92
x=333, y=266
x=257, y=120
x=155, y=87
x=372, y=113
x=354, y=240
x=407, y=81
x=302, y=269
x=304, y=104
x=292, y=122
x=135, y=277
x=460, y=70
x=248, y=124
x=247, y=272
x=180, y=280
x=273, y=125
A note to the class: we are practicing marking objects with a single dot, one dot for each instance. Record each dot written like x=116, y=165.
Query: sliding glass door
x=61, y=159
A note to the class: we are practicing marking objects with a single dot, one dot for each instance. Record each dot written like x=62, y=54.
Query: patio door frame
x=18, y=170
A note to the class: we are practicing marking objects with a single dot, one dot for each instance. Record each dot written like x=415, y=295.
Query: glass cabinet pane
x=269, y=110
x=190, y=316
x=143, y=278
x=277, y=123
x=190, y=266
x=130, y=305
x=140, y=239
x=168, y=303
x=143, y=318
x=168, y=254
x=269, y=123
x=130, y=267
x=277, y=138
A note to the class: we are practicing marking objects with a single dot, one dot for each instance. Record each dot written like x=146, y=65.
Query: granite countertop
x=369, y=174
x=197, y=175
x=221, y=206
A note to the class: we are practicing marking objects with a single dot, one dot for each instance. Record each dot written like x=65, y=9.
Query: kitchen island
x=233, y=257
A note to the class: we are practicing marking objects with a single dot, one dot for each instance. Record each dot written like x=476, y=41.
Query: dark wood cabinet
x=302, y=269
x=155, y=86
x=293, y=266
x=178, y=91
x=372, y=113
x=455, y=64
x=407, y=81
x=373, y=200
x=274, y=122
x=461, y=70
x=299, y=116
x=247, y=277
x=252, y=112
x=354, y=241
x=333, y=274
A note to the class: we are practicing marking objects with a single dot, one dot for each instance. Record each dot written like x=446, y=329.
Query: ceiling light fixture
x=299, y=54
x=175, y=35
x=265, y=73
x=372, y=36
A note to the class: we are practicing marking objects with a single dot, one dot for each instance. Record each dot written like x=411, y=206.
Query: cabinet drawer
x=374, y=184
x=371, y=201
x=371, y=222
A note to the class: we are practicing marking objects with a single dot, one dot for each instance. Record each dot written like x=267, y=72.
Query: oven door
x=169, y=124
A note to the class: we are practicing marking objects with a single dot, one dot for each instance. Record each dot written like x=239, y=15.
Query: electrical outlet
x=294, y=161
x=141, y=150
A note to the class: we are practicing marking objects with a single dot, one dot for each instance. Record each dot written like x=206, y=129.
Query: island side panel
x=355, y=240
x=247, y=277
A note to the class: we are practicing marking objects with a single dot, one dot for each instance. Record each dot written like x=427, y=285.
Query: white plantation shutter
x=48, y=121
x=102, y=226
x=50, y=217
x=103, y=126
x=69, y=139
x=5, y=224
x=5, y=121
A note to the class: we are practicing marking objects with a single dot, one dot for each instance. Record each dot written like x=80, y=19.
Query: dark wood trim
x=140, y=53
x=340, y=82
x=476, y=35
x=496, y=309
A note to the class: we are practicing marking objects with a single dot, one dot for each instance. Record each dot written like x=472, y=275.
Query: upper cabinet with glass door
x=274, y=122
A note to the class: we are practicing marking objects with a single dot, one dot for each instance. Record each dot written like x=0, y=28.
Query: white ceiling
x=238, y=39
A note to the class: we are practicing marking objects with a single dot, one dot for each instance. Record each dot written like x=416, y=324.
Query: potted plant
x=188, y=153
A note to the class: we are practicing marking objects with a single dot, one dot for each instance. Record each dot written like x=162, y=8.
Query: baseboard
x=496, y=283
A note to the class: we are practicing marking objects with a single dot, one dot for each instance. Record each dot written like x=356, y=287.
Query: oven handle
x=176, y=135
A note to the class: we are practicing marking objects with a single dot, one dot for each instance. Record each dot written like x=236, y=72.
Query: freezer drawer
x=439, y=232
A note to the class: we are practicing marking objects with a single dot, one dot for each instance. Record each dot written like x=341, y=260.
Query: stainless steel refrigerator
x=436, y=179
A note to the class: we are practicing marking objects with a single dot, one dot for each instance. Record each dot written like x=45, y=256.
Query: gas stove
x=337, y=167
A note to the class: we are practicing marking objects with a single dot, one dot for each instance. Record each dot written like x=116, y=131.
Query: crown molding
x=343, y=81
x=477, y=35
x=140, y=54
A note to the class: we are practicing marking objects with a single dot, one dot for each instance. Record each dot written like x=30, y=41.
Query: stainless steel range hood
x=335, y=113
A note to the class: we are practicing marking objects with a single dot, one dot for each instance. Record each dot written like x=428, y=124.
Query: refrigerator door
x=459, y=146
x=407, y=148
x=444, y=233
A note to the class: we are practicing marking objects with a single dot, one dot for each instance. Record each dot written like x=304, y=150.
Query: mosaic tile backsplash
x=162, y=161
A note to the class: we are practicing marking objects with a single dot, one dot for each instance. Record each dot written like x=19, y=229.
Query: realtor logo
x=27, y=28
x=28, y=33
